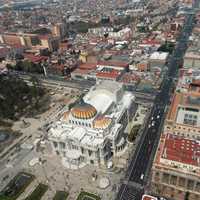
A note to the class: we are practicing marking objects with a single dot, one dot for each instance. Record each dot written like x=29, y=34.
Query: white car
x=142, y=176
x=158, y=116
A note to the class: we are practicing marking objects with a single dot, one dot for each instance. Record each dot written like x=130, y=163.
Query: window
x=89, y=152
x=62, y=145
x=82, y=150
x=190, y=119
x=55, y=144
x=74, y=147
x=91, y=161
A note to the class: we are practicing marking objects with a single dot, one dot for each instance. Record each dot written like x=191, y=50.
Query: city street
x=137, y=173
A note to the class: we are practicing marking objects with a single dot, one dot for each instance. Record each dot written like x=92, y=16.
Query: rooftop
x=87, y=66
x=35, y=59
x=113, y=74
x=189, y=101
x=192, y=55
x=159, y=56
x=113, y=63
x=148, y=197
x=181, y=150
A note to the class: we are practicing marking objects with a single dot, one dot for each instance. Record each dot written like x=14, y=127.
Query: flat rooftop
x=148, y=197
x=181, y=150
x=185, y=106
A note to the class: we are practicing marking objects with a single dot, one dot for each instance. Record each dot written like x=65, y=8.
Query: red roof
x=113, y=63
x=181, y=150
x=88, y=66
x=35, y=59
x=129, y=78
x=148, y=197
x=112, y=74
x=150, y=42
x=81, y=71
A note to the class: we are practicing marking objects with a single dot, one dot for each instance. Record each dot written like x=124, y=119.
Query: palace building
x=95, y=129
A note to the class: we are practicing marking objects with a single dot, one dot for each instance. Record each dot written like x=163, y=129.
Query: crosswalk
x=129, y=193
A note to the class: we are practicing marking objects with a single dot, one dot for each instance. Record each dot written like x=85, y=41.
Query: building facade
x=94, y=130
x=176, y=167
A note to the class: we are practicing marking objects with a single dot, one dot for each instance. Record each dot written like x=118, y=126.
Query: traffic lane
x=172, y=67
x=138, y=147
x=139, y=174
x=147, y=148
x=142, y=161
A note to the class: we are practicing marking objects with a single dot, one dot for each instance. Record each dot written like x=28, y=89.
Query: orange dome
x=102, y=122
x=83, y=111
x=66, y=115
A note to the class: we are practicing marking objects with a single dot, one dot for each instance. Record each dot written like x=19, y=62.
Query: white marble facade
x=95, y=129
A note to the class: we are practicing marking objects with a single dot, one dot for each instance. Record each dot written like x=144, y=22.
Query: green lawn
x=61, y=195
x=16, y=186
x=88, y=196
x=38, y=192
x=4, y=198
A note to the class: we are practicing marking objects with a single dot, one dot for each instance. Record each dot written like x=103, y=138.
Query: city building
x=176, y=168
x=183, y=118
x=192, y=59
x=59, y=30
x=102, y=70
x=148, y=197
x=158, y=60
x=94, y=130
x=49, y=42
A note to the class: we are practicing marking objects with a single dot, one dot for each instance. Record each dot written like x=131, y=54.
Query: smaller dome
x=102, y=122
x=65, y=115
x=83, y=111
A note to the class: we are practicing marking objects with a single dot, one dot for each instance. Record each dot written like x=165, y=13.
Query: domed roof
x=102, y=122
x=83, y=111
x=65, y=115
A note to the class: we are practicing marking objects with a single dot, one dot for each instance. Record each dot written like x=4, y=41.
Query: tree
x=35, y=89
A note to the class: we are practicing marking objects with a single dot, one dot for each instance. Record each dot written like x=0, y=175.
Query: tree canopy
x=16, y=97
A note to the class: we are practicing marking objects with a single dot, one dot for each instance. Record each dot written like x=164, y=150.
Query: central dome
x=83, y=111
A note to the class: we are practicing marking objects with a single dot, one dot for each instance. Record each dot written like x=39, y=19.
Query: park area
x=88, y=196
x=38, y=192
x=61, y=195
x=16, y=186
